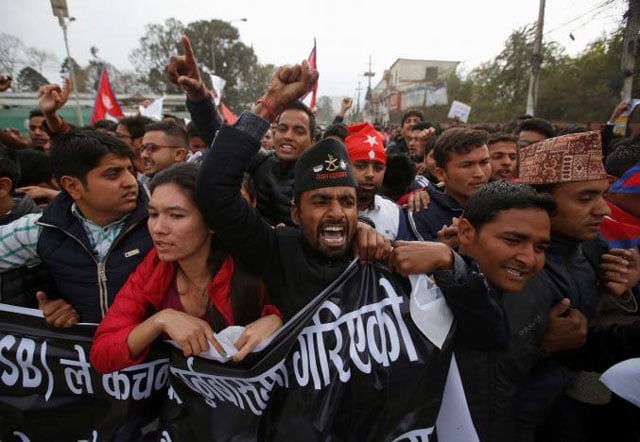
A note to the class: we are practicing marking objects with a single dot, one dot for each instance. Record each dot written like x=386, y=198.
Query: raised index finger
x=188, y=50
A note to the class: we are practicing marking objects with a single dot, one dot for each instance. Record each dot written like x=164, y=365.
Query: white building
x=409, y=84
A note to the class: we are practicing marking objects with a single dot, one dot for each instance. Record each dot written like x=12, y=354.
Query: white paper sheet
x=624, y=380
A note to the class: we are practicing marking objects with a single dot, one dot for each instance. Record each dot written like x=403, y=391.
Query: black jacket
x=511, y=389
x=493, y=379
x=205, y=118
x=87, y=284
x=273, y=181
x=569, y=271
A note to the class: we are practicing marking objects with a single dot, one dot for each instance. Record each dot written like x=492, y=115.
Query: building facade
x=409, y=84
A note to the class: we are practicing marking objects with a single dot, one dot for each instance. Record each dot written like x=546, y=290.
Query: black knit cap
x=325, y=164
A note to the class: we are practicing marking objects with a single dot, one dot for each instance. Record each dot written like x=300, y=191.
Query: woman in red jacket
x=186, y=287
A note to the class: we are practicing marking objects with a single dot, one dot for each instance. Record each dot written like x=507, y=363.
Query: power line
x=587, y=15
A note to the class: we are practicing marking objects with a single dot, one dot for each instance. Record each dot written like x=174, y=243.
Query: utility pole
x=629, y=48
x=369, y=74
x=358, y=89
x=536, y=62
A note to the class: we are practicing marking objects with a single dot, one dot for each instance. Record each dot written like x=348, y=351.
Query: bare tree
x=38, y=58
x=10, y=52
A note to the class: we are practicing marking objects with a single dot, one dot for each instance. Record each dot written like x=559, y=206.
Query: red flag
x=313, y=62
x=228, y=116
x=620, y=229
x=106, y=103
x=629, y=182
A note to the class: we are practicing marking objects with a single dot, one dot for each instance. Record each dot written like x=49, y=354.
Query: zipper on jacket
x=102, y=270
x=102, y=283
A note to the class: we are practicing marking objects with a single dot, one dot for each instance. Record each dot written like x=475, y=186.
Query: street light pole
x=74, y=86
x=59, y=8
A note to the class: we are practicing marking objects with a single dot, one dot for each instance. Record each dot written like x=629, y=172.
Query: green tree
x=458, y=88
x=499, y=87
x=216, y=46
x=585, y=88
x=255, y=83
x=160, y=42
x=30, y=80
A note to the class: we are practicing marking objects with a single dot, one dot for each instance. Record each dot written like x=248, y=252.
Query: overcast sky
x=347, y=31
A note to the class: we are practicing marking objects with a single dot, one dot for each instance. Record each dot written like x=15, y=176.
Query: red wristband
x=267, y=106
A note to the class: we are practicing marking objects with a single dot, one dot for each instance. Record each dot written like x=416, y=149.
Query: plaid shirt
x=19, y=239
x=100, y=237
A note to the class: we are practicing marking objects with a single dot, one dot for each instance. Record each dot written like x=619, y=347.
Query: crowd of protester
x=161, y=229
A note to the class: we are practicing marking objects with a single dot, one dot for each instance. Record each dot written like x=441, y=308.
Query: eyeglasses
x=153, y=147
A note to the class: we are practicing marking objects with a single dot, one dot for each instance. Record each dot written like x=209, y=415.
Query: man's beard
x=366, y=195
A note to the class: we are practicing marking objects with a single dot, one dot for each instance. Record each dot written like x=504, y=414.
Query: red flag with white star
x=106, y=104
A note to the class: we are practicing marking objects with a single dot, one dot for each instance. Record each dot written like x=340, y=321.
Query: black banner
x=49, y=392
x=352, y=365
